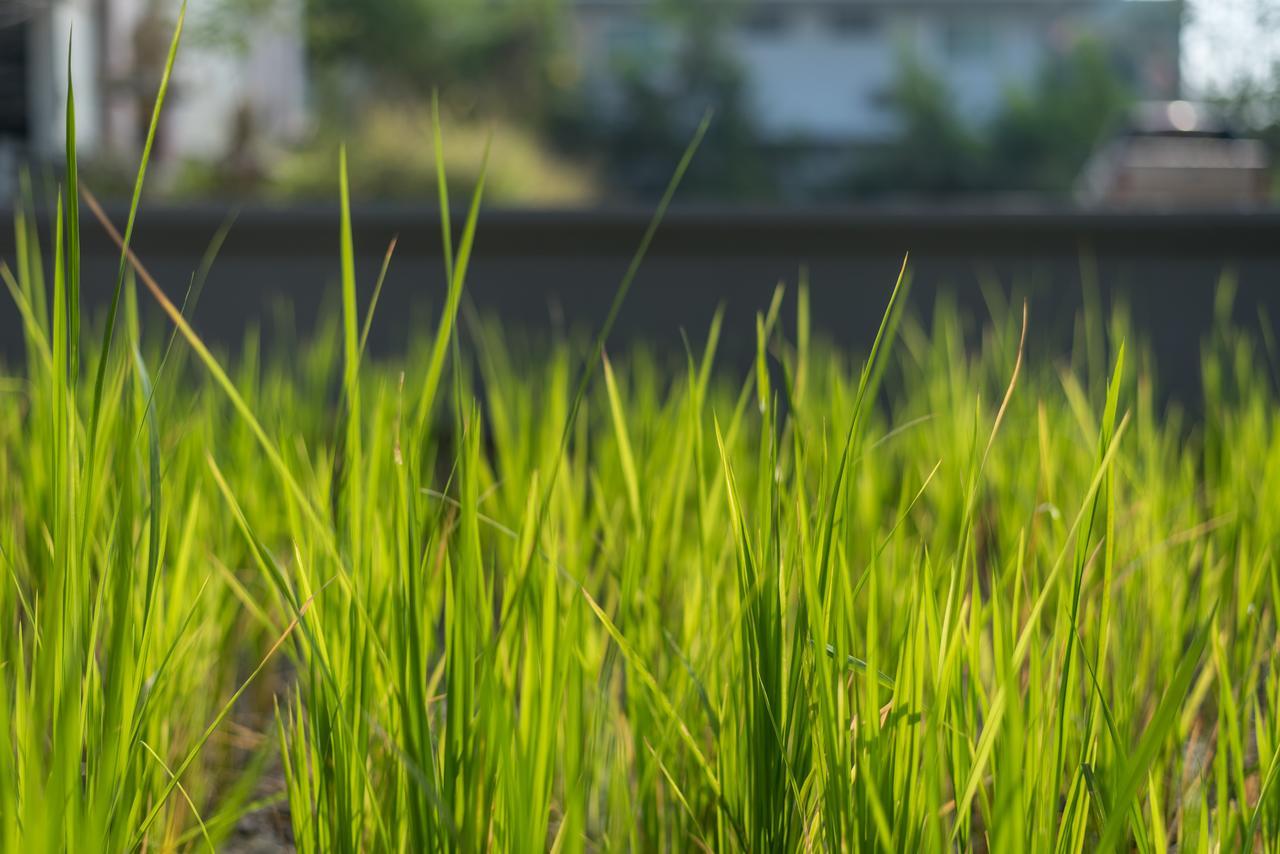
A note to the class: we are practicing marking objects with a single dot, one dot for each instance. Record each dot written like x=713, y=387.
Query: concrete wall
x=544, y=271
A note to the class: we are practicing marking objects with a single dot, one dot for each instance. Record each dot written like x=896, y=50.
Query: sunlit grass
x=954, y=594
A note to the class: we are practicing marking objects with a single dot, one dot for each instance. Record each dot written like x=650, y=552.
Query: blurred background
x=817, y=102
x=1075, y=152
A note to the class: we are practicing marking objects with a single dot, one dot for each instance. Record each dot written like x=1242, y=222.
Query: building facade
x=821, y=70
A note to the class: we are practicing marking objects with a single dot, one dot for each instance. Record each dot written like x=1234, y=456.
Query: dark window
x=852, y=22
x=882, y=98
x=967, y=37
x=765, y=22
x=13, y=81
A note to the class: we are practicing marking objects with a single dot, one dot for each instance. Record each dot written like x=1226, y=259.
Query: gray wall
x=539, y=271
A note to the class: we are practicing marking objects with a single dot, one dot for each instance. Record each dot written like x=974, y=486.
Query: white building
x=821, y=70
x=235, y=74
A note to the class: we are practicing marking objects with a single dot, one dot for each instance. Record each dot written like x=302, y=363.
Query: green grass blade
x=109, y=329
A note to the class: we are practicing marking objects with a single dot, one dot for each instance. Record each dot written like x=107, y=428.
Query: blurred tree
x=663, y=98
x=935, y=152
x=1037, y=142
x=1043, y=136
x=391, y=157
x=501, y=68
x=474, y=49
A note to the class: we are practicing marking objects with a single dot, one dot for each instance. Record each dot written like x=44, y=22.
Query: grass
x=952, y=595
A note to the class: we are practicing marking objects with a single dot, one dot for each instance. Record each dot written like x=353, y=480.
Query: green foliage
x=1042, y=137
x=423, y=43
x=1038, y=141
x=935, y=149
x=390, y=160
x=657, y=111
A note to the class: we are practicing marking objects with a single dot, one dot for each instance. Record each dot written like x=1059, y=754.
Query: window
x=852, y=23
x=632, y=39
x=765, y=21
x=882, y=99
x=13, y=81
x=967, y=38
